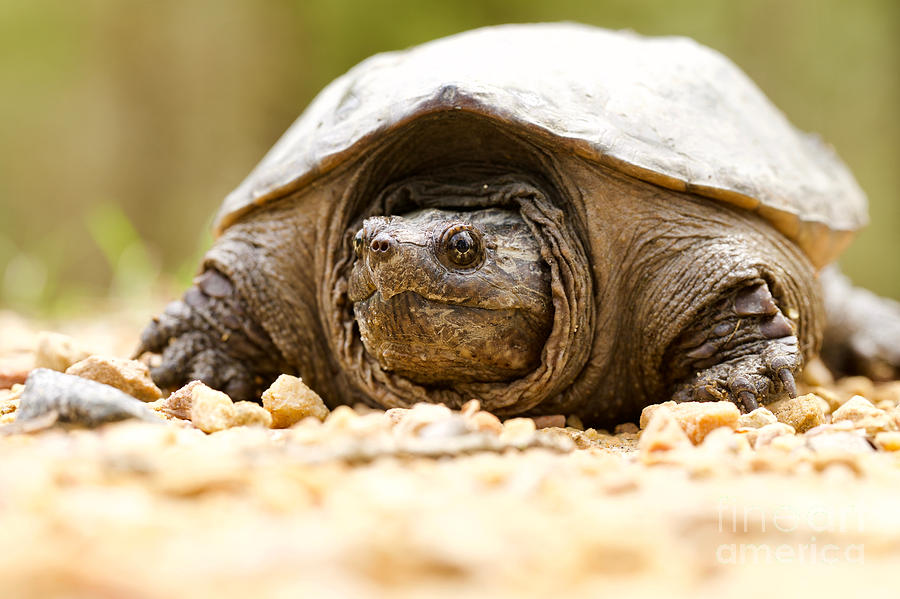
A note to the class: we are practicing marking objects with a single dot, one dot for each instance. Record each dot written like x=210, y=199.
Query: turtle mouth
x=434, y=342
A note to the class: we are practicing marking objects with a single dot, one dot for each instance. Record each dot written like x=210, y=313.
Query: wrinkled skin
x=592, y=293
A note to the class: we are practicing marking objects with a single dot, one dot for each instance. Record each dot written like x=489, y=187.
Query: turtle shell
x=665, y=110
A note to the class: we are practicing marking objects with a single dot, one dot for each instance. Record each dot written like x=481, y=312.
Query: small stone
x=550, y=421
x=725, y=440
x=888, y=393
x=57, y=351
x=864, y=415
x=453, y=426
x=758, y=418
x=839, y=442
x=8, y=378
x=247, y=413
x=766, y=434
x=888, y=440
x=211, y=410
x=855, y=385
x=802, y=413
x=698, y=418
x=829, y=397
x=289, y=401
x=573, y=421
x=470, y=407
x=647, y=412
x=76, y=401
x=625, y=428
x=130, y=376
x=662, y=433
x=486, y=422
x=341, y=418
x=816, y=374
x=178, y=403
x=517, y=429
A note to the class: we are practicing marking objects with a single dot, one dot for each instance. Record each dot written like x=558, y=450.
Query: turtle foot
x=206, y=336
x=862, y=335
x=744, y=350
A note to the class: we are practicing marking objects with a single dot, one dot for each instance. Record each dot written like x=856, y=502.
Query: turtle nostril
x=381, y=244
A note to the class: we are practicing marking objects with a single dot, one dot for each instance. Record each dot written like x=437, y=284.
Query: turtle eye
x=358, y=243
x=461, y=246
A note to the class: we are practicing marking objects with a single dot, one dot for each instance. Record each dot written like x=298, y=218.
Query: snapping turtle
x=551, y=218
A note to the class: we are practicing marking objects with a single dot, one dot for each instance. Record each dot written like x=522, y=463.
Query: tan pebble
x=855, y=408
x=885, y=404
x=410, y=422
x=289, y=400
x=517, y=429
x=247, y=413
x=13, y=376
x=662, y=433
x=396, y=414
x=486, y=422
x=765, y=435
x=832, y=399
x=888, y=393
x=626, y=427
x=888, y=440
x=839, y=442
x=756, y=419
x=647, y=412
x=864, y=415
x=470, y=407
x=816, y=374
x=130, y=376
x=445, y=428
x=341, y=418
x=550, y=421
x=178, y=403
x=430, y=411
x=802, y=413
x=57, y=351
x=725, y=440
x=211, y=410
x=573, y=421
x=697, y=419
x=855, y=385
x=787, y=442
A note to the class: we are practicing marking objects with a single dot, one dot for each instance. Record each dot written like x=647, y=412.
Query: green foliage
x=166, y=105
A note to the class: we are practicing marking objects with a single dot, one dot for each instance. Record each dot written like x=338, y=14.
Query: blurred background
x=123, y=123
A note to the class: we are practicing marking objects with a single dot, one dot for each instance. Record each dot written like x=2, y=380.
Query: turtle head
x=442, y=297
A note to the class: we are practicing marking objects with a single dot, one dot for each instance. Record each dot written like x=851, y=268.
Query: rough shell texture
x=665, y=110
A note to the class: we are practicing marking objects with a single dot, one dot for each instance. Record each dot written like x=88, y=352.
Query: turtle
x=549, y=218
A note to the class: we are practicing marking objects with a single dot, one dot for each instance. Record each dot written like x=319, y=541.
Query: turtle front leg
x=743, y=349
x=208, y=336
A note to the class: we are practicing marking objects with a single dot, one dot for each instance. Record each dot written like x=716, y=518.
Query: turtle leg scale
x=744, y=350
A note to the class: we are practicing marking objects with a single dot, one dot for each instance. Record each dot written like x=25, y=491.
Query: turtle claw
x=748, y=400
x=787, y=381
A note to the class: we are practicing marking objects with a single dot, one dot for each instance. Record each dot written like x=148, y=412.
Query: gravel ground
x=433, y=503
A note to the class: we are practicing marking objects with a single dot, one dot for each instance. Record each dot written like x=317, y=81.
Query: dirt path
x=433, y=503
